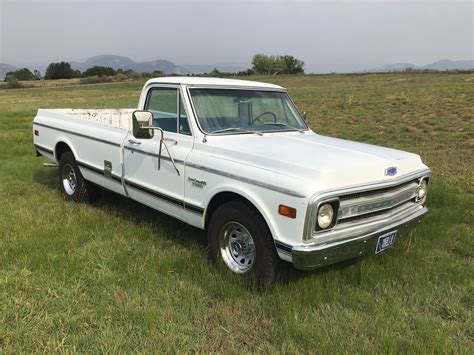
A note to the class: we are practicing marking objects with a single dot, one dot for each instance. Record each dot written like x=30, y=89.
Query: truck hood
x=315, y=159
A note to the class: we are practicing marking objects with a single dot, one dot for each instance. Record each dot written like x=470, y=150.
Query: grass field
x=119, y=277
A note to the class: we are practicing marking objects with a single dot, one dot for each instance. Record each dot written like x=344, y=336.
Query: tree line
x=63, y=70
x=261, y=64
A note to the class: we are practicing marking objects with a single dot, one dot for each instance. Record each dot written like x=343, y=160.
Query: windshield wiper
x=238, y=129
x=283, y=125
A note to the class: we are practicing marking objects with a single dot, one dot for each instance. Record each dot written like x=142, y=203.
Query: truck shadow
x=170, y=229
x=162, y=225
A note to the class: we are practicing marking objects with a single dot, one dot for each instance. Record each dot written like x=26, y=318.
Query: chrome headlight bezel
x=422, y=189
x=334, y=205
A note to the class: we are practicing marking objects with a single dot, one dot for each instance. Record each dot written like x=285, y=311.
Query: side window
x=163, y=104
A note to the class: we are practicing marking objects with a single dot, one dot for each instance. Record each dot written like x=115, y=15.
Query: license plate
x=385, y=241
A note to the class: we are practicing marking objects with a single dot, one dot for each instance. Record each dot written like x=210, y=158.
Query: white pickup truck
x=237, y=159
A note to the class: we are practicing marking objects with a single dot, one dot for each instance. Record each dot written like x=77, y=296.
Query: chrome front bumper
x=317, y=256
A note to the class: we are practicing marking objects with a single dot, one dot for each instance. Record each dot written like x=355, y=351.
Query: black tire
x=81, y=191
x=264, y=268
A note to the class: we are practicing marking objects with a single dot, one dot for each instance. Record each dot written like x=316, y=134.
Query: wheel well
x=222, y=198
x=60, y=149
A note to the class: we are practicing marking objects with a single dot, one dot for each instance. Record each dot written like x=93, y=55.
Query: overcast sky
x=327, y=35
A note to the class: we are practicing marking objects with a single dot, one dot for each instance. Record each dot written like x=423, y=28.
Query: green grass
x=119, y=277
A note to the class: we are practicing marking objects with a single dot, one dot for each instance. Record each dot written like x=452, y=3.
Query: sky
x=330, y=36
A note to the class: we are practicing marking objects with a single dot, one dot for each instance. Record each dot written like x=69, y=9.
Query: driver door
x=160, y=187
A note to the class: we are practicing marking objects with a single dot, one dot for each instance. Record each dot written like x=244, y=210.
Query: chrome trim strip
x=332, y=193
x=97, y=170
x=247, y=180
x=177, y=202
x=225, y=174
x=78, y=134
x=132, y=149
x=235, y=87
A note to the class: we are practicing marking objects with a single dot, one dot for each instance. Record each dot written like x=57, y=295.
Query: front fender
x=283, y=229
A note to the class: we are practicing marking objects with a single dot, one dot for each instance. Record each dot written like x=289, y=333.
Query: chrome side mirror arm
x=162, y=142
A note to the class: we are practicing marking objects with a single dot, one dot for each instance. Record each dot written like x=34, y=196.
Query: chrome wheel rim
x=69, y=179
x=237, y=247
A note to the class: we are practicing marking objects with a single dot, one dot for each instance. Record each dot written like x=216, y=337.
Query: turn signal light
x=37, y=133
x=287, y=211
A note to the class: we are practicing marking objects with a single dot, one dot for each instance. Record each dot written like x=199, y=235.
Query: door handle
x=171, y=141
x=131, y=141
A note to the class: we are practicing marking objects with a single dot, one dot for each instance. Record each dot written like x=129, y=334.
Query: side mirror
x=305, y=117
x=141, y=123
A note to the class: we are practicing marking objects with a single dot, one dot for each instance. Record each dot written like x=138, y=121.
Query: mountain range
x=125, y=63
x=444, y=64
x=121, y=62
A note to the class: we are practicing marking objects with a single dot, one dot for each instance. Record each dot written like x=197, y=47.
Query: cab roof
x=203, y=81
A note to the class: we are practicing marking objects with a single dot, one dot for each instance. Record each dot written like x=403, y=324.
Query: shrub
x=95, y=80
x=99, y=71
x=61, y=70
x=12, y=82
x=21, y=74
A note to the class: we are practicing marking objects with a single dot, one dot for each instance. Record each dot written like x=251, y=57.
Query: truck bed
x=119, y=118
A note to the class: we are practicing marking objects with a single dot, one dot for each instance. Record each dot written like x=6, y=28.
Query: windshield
x=230, y=111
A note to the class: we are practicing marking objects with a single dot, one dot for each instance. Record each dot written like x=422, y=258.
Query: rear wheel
x=72, y=184
x=239, y=238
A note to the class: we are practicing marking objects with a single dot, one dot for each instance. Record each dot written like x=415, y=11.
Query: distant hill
x=444, y=64
x=4, y=69
x=447, y=64
x=120, y=62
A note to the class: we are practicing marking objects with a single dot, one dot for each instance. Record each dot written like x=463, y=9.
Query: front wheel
x=72, y=184
x=239, y=238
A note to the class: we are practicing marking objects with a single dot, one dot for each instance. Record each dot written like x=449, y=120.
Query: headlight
x=423, y=189
x=325, y=215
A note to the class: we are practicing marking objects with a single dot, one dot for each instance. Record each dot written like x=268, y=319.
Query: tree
x=157, y=73
x=23, y=74
x=37, y=74
x=99, y=71
x=264, y=64
x=292, y=65
x=277, y=64
x=61, y=70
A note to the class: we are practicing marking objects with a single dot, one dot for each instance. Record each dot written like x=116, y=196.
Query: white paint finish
x=189, y=80
x=119, y=118
x=276, y=168
x=313, y=161
x=143, y=169
x=266, y=200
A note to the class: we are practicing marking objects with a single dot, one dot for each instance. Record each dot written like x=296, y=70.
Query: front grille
x=376, y=191
x=377, y=204
x=374, y=215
